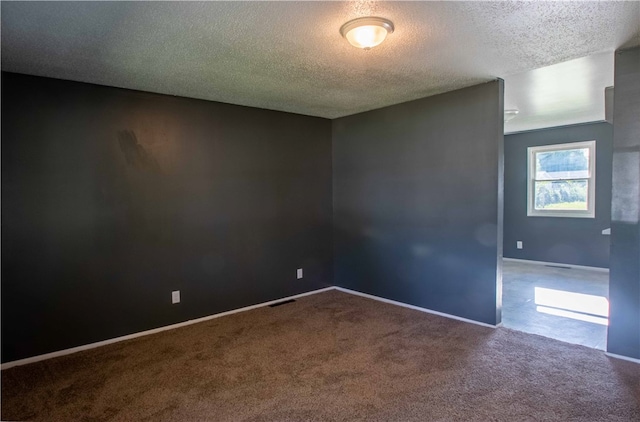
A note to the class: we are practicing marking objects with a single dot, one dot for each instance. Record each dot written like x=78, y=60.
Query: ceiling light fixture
x=510, y=114
x=366, y=32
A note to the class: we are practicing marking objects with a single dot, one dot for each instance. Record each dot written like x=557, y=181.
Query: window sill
x=561, y=215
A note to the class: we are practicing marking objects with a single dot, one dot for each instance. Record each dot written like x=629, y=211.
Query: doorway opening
x=558, y=157
x=566, y=303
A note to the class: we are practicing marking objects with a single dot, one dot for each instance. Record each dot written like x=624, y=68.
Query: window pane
x=561, y=195
x=562, y=164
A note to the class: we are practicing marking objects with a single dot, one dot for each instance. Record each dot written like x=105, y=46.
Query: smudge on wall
x=135, y=154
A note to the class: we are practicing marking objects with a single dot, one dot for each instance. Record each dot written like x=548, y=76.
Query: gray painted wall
x=417, y=202
x=577, y=241
x=112, y=198
x=624, y=284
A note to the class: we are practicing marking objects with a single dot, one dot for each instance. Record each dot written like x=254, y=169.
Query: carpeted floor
x=328, y=357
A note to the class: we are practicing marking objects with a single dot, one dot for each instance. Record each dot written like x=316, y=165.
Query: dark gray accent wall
x=112, y=198
x=577, y=241
x=417, y=202
x=624, y=284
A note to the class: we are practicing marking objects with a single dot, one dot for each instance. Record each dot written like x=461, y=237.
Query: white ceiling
x=561, y=94
x=290, y=56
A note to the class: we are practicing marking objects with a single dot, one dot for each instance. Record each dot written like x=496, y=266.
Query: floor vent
x=284, y=302
x=558, y=266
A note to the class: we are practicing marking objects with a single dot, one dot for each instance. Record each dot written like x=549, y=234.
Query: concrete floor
x=555, y=302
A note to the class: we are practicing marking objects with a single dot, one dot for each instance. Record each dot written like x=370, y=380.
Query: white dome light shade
x=366, y=32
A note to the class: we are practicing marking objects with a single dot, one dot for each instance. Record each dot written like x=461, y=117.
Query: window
x=561, y=180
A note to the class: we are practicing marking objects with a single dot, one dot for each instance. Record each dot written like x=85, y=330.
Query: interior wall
x=577, y=241
x=111, y=199
x=417, y=202
x=624, y=284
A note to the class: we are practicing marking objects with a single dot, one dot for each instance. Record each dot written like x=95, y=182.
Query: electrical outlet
x=299, y=273
x=175, y=297
x=519, y=244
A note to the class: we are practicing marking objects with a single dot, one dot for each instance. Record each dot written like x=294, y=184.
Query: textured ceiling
x=290, y=56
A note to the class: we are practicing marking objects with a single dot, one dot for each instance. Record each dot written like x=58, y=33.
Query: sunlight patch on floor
x=583, y=307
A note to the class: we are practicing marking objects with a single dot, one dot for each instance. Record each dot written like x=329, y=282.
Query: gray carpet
x=328, y=357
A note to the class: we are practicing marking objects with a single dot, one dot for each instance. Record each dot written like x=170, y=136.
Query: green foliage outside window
x=564, y=183
x=562, y=194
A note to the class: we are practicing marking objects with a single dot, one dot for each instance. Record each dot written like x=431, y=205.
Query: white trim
x=627, y=358
x=416, y=308
x=64, y=352
x=555, y=264
x=72, y=350
x=590, y=212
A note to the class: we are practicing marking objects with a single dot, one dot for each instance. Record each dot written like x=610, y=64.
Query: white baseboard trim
x=416, y=308
x=64, y=352
x=627, y=358
x=72, y=350
x=578, y=267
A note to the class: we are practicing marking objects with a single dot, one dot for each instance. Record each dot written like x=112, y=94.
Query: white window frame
x=590, y=212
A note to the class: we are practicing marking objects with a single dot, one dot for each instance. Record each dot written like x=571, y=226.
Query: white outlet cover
x=175, y=297
x=299, y=273
x=519, y=244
